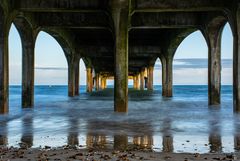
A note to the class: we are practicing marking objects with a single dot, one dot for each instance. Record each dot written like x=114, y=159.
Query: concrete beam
x=58, y=5
x=82, y=20
x=176, y=6
x=166, y=20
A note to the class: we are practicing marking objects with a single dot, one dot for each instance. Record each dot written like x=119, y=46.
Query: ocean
x=183, y=123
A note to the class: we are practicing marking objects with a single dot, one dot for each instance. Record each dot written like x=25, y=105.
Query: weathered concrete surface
x=71, y=79
x=213, y=33
x=120, y=13
x=4, y=91
x=167, y=82
x=150, y=77
x=28, y=45
x=236, y=59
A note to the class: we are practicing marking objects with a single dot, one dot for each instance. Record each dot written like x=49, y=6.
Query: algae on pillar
x=121, y=18
x=167, y=82
x=213, y=34
x=28, y=43
x=142, y=85
x=236, y=60
x=4, y=92
x=71, y=78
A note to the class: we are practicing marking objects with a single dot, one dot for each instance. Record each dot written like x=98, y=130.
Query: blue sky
x=51, y=65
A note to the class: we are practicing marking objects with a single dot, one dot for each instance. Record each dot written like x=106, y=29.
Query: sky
x=190, y=61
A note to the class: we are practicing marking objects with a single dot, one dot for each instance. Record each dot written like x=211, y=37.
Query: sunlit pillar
x=89, y=79
x=4, y=92
x=121, y=14
x=137, y=81
x=134, y=82
x=102, y=83
x=142, y=80
x=150, y=78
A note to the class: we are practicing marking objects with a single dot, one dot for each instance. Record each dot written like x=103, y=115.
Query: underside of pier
x=119, y=39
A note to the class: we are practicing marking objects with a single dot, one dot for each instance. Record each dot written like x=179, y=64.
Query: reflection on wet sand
x=73, y=131
x=3, y=134
x=27, y=132
x=237, y=134
x=96, y=141
x=120, y=142
x=215, y=139
x=167, y=135
x=145, y=141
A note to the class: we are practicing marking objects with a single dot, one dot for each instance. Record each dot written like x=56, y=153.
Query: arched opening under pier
x=157, y=75
x=227, y=63
x=82, y=76
x=190, y=66
x=15, y=67
x=51, y=69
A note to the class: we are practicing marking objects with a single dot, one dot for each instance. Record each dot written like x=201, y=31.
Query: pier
x=120, y=40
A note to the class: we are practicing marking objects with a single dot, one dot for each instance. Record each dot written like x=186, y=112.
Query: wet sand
x=72, y=154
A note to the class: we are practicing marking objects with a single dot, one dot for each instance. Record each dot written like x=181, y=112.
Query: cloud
x=50, y=68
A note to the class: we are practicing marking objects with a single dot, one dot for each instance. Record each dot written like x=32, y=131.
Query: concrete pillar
x=77, y=75
x=213, y=37
x=137, y=82
x=150, y=77
x=142, y=80
x=236, y=61
x=102, y=83
x=4, y=92
x=28, y=71
x=97, y=82
x=105, y=83
x=121, y=14
x=167, y=73
x=71, y=78
x=89, y=80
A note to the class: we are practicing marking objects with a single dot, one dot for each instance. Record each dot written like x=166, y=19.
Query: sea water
x=183, y=123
